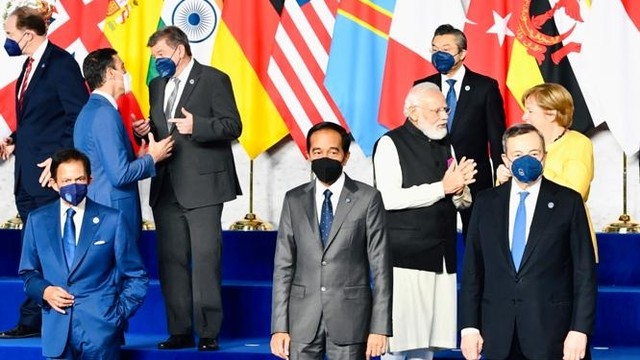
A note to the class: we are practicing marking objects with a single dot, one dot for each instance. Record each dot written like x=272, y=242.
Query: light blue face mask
x=526, y=169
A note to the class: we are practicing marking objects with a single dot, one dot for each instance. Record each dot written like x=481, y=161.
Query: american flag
x=298, y=63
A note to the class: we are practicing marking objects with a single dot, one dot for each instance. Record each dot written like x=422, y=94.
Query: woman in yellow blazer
x=569, y=161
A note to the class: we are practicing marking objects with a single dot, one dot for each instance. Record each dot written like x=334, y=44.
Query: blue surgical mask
x=165, y=66
x=526, y=169
x=73, y=193
x=443, y=61
x=12, y=47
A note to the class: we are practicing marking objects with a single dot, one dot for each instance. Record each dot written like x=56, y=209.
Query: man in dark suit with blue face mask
x=194, y=105
x=528, y=284
x=476, y=119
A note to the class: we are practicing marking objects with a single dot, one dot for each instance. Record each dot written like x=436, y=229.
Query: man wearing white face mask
x=100, y=133
x=422, y=186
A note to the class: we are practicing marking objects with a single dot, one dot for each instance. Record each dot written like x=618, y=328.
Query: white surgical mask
x=126, y=80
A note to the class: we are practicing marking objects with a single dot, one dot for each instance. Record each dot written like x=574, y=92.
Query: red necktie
x=25, y=81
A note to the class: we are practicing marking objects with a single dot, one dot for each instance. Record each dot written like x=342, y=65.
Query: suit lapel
x=54, y=233
x=37, y=73
x=159, y=122
x=309, y=204
x=542, y=213
x=189, y=85
x=501, y=206
x=87, y=232
x=347, y=199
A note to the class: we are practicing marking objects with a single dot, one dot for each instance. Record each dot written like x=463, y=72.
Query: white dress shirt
x=168, y=89
x=77, y=218
x=336, y=190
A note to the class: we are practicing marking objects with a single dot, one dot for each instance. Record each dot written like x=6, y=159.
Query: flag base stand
x=251, y=223
x=624, y=226
x=14, y=223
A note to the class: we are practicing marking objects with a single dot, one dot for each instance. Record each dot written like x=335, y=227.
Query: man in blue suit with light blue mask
x=82, y=265
x=100, y=134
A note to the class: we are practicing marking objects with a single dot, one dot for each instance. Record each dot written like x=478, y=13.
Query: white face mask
x=126, y=80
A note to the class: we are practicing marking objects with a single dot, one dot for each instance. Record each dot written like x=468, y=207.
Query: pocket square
x=99, y=242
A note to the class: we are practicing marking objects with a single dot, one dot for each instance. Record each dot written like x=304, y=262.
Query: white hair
x=416, y=93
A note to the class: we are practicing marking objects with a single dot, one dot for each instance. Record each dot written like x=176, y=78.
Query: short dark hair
x=173, y=36
x=520, y=129
x=30, y=19
x=95, y=66
x=326, y=125
x=446, y=29
x=66, y=156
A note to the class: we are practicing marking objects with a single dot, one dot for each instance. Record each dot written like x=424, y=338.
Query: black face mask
x=327, y=170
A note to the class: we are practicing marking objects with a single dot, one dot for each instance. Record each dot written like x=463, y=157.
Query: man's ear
x=345, y=159
x=54, y=185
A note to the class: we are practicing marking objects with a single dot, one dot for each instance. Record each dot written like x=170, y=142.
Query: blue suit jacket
x=99, y=133
x=107, y=277
x=51, y=104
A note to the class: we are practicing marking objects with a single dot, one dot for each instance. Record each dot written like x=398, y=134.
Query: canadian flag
x=607, y=68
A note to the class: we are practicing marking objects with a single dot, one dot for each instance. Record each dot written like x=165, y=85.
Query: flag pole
x=251, y=222
x=624, y=224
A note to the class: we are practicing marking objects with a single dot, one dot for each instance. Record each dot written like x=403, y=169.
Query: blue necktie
x=452, y=101
x=69, y=237
x=326, y=218
x=519, y=231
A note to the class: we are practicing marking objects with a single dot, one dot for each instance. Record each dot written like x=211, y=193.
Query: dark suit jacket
x=201, y=167
x=52, y=101
x=100, y=134
x=553, y=292
x=478, y=124
x=107, y=276
x=310, y=282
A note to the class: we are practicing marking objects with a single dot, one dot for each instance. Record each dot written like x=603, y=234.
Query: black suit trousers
x=189, y=253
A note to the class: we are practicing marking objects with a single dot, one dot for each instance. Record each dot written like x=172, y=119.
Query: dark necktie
x=69, y=237
x=519, y=231
x=168, y=114
x=326, y=217
x=25, y=82
x=452, y=101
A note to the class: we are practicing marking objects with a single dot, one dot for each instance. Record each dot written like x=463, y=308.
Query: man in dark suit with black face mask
x=332, y=240
x=476, y=119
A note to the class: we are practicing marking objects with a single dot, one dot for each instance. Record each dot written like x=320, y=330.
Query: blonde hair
x=552, y=96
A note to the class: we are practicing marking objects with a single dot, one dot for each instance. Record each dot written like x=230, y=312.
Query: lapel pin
x=347, y=200
x=96, y=219
x=467, y=88
x=551, y=205
x=191, y=81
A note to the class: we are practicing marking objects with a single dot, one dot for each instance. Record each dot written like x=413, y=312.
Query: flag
x=127, y=26
x=75, y=26
x=518, y=44
x=607, y=68
x=242, y=50
x=408, y=54
x=298, y=64
x=198, y=19
x=356, y=66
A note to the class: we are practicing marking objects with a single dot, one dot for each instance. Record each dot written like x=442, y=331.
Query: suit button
x=517, y=279
x=324, y=263
x=69, y=283
x=323, y=289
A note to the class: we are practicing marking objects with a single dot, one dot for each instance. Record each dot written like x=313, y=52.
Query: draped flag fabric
x=242, y=50
x=356, y=66
x=127, y=27
x=75, y=26
x=408, y=54
x=607, y=68
x=518, y=44
x=298, y=63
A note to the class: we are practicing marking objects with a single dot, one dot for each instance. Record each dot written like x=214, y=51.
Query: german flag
x=242, y=50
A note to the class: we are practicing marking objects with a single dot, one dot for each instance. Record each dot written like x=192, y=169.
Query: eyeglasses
x=445, y=109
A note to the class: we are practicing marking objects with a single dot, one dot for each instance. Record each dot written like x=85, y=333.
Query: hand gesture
x=458, y=175
x=280, y=345
x=159, y=150
x=58, y=298
x=141, y=127
x=185, y=124
x=45, y=176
